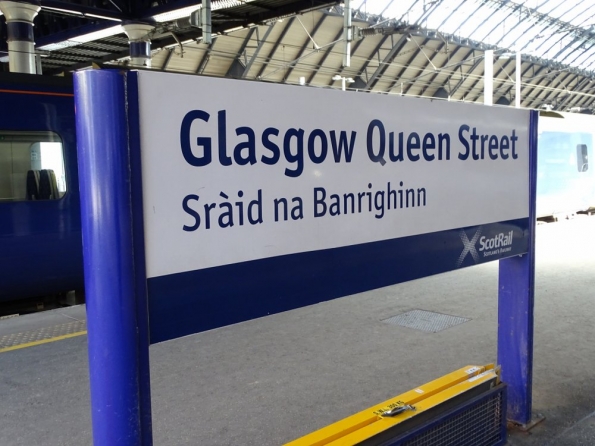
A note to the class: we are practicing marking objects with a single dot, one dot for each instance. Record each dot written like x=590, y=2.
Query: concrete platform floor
x=271, y=380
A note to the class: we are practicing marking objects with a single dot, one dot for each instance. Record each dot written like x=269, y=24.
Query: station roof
x=433, y=48
x=559, y=30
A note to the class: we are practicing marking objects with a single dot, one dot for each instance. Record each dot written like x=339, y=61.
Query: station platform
x=271, y=380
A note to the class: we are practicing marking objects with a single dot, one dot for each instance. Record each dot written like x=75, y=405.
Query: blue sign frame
x=114, y=260
x=516, y=301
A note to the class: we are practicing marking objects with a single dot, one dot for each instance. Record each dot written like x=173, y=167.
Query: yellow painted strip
x=42, y=341
x=372, y=417
x=383, y=423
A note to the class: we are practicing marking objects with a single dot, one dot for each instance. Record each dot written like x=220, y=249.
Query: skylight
x=559, y=30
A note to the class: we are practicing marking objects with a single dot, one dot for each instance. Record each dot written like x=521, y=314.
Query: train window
x=582, y=157
x=561, y=154
x=31, y=166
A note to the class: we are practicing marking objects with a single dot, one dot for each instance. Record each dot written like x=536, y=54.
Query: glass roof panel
x=442, y=15
x=583, y=59
x=551, y=29
x=460, y=18
x=479, y=24
x=588, y=62
x=553, y=8
x=564, y=50
x=495, y=28
x=516, y=36
x=576, y=15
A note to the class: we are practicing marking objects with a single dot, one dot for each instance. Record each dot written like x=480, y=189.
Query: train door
x=566, y=181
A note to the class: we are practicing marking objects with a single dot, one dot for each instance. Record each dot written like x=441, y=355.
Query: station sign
x=248, y=184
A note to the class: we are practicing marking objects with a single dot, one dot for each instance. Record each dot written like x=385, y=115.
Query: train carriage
x=40, y=229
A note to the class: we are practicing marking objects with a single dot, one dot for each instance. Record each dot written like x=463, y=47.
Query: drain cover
x=425, y=320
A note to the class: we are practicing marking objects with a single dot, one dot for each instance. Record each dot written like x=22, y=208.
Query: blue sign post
x=113, y=262
x=516, y=294
x=220, y=214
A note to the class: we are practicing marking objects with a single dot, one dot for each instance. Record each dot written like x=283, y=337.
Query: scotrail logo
x=499, y=244
x=469, y=246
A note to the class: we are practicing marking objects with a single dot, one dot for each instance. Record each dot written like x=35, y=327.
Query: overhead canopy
x=559, y=30
x=431, y=48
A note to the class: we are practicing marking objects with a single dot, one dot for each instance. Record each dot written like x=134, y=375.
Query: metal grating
x=425, y=320
x=479, y=425
x=55, y=331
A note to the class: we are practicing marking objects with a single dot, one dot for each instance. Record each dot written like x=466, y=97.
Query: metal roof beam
x=357, y=79
x=538, y=94
x=309, y=40
x=289, y=7
x=474, y=84
x=456, y=65
x=504, y=35
x=246, y=42
x=275, y=46
x=538, y=99
x=258, y=48
x=584, y=99
x=495, y=78
x=386, y=62
x=538, y=76
x=170, y=53
x=469, y=17
x=565, y=35
x=435, y=75
x=262, y=5
x=253, y=16
x=236, y=69
x=548, y=20
x=68, y=66
x=324, y=57
x=588, y=104
x=583, y=53
x=500, y=84
x=368, y=59
x=205, y=58
x=552, y=92
x=458, y=85
x=528, y=96
x=89, y=12
x=502, y=68
x=421, y=70
x=525, y=97
x=404, y=68
x=576, y=89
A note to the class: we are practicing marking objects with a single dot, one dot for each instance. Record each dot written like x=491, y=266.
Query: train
x=565, y=179
x=40, y=222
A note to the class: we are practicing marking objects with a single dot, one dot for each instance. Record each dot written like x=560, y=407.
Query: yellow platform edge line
x=383, y=424
x=42, y=341
x=371, y=415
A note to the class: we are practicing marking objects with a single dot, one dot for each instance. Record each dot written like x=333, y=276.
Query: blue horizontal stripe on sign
x=190, y=302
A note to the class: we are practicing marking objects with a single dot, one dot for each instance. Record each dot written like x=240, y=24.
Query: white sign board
x=235, y=171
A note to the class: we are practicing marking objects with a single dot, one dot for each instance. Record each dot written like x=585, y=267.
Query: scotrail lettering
x=501, y=240
x=488, y=246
